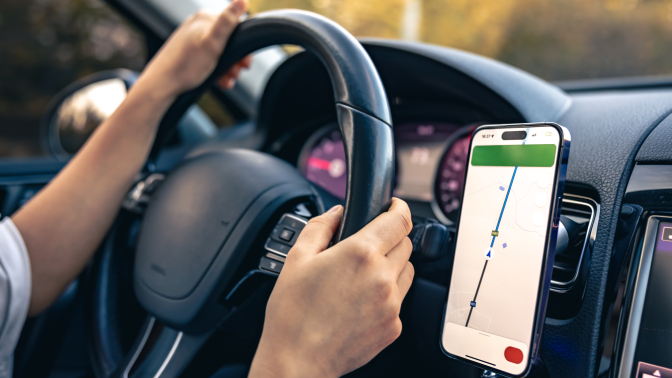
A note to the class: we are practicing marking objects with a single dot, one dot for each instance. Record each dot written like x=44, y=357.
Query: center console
x=643, y=343
x=647, y=345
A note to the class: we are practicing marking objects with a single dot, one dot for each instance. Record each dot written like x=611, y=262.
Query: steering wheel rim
x=359, y=97
x=365, y=121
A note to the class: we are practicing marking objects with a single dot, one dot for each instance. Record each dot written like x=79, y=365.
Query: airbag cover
x=193, y=212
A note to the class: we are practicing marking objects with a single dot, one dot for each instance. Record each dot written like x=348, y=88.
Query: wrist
x=154, y=92
x=278, y=363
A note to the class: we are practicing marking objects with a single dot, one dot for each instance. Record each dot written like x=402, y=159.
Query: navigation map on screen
x=500, y=247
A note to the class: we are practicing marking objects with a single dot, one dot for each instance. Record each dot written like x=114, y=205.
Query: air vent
x=573, y=253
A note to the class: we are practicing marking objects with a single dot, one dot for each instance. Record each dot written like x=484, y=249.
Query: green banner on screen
x=514, y=155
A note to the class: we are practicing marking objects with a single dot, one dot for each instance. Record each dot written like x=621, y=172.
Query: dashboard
x=429, y=168
x=617, y=178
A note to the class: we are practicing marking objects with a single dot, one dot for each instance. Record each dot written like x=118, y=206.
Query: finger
x=405, y=280
x=229, y=83
x=234, y=71
x=389, y=228
x=317, y=234
x=228, y=20
x=228, y=80
x=224, y=81
x=400, y=254
x=246, y=61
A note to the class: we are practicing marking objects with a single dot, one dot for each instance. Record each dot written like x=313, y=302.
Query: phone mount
x=539, y=370
x=489, y=374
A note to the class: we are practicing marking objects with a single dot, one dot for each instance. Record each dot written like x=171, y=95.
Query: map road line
x=492, y=243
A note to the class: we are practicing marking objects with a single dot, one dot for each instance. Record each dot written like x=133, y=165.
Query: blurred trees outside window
x=47, y=44
x=44, y=46
x=553, y=39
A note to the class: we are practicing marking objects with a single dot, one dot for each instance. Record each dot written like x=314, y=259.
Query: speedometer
x=418, y=147
x=430, y=161
x=449, y=181
x=323, y=161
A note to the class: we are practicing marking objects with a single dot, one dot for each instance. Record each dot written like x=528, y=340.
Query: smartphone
x=505, y=246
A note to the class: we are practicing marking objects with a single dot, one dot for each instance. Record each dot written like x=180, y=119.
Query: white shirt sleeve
x=15, y=284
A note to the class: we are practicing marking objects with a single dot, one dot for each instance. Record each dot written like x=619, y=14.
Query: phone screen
x=501, y=246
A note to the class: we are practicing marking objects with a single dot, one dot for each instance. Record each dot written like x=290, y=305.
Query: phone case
x=549, y=249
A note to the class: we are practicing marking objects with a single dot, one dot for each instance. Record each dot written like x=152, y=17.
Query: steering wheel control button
x=513, y=355
x=275, y=256
x=286, y=234
x=275, y=247
x=293, y=221
x=270, y=265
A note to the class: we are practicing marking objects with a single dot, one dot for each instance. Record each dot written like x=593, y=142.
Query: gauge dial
x=324, y=161
x=449, y=181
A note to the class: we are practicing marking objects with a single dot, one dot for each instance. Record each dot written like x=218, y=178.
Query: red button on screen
x=513, y=355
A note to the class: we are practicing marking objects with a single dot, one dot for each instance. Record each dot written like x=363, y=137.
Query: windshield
x=557, y=40
x=553, y=39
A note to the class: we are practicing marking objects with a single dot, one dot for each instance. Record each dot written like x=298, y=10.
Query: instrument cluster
x=431, y=158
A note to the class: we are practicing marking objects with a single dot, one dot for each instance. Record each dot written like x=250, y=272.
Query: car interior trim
x=169, y=356
x=148, y=327
x=590, y=236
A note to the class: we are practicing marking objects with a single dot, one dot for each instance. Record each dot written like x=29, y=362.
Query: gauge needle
x=319, y=163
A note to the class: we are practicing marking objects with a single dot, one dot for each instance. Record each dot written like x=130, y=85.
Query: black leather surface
x=657, y=148
x=369, y=151
x=535, y=99
x=111, y=311
x=607, y=130
x=354, y=77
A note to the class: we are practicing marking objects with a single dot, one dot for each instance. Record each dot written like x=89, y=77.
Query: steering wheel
x=197, y=237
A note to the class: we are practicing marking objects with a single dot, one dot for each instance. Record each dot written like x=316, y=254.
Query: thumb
x=317, y=234
x=228, y=20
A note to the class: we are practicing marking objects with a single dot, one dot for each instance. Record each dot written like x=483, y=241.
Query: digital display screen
x=419, y=148
x=500, y=247
x=653, y=353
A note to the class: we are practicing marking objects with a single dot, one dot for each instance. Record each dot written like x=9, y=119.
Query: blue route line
x=473, y=303
x=492, y=243
x=504, y=205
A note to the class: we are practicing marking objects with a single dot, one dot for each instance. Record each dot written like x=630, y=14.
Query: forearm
x=64, y=224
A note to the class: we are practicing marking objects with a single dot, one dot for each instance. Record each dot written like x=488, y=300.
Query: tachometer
x=322, y=161
x=449, y=181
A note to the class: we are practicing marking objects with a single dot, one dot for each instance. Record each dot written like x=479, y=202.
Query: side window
x=218, y=113
x=46, y=45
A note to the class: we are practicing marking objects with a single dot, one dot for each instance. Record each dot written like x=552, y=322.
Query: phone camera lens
x=514, y=135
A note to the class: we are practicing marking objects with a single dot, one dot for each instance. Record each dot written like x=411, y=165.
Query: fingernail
x=237, y=7
x=334, y=209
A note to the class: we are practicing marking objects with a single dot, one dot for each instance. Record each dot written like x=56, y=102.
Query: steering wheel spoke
x=160, y=352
